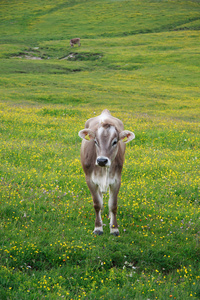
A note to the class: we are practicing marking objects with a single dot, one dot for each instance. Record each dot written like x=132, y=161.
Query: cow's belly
x=103, y=179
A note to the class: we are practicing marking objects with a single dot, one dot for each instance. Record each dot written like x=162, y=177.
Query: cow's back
x=104, y=118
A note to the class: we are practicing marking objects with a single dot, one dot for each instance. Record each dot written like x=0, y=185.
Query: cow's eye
x=96, y=143
x=114, y=142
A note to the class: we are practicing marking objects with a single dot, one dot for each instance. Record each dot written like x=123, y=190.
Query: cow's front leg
x=114, y=189
x=98, y=205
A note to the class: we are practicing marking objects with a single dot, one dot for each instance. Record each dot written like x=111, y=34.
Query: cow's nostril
x=102, y=162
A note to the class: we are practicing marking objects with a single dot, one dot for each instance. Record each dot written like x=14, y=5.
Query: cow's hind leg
x=98, y=206
x=114, y=189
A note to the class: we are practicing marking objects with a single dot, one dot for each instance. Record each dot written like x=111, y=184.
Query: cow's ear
x=86, y=134
x=126, y=136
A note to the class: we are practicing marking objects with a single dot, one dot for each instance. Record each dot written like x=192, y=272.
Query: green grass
x=139, y=59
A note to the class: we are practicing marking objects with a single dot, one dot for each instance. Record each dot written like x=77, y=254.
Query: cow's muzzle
x=103, y=161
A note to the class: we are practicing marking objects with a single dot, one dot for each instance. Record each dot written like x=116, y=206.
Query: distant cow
x=75, y=41
x=102, y=158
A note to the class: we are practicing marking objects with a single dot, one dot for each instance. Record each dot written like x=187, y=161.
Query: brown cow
x=75, y=41
x=102, y=158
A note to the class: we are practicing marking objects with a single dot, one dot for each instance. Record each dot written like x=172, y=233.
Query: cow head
x=106, y=139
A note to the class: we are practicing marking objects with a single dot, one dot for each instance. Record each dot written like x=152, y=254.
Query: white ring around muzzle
x=103, y=161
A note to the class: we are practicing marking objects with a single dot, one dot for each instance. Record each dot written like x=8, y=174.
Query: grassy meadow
x=139, y=59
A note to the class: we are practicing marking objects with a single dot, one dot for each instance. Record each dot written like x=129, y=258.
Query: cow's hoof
x=115, y=233
x=98, y=232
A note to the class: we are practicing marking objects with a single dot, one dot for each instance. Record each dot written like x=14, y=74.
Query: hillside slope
x=50, y=20
x=139, y=59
